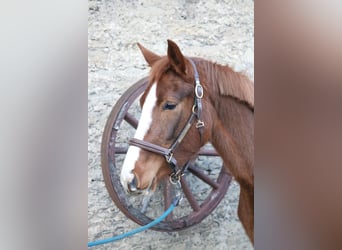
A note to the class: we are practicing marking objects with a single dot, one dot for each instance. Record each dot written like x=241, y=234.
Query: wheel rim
x=203, y=186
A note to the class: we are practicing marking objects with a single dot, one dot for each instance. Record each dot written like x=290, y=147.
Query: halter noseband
x=168, y=152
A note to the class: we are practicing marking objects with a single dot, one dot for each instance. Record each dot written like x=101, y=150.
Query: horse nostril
x=132, y=186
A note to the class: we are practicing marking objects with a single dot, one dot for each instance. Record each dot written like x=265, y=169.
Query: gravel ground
x=221, y=31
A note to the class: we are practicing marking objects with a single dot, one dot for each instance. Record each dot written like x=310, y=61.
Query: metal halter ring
x=199, y=91
x=175, y=177
x=194, y=107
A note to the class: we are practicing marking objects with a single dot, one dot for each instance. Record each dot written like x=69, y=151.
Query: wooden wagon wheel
x=203, y=185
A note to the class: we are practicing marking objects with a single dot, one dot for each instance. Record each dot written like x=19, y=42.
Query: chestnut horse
x=189, y=102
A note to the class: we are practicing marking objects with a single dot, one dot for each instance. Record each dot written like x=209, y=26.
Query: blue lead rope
x=174, y=203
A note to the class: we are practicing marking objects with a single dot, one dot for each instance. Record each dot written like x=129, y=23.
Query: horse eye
x=169, y=106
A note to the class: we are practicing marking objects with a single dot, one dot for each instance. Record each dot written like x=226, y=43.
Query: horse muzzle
x=133, y=187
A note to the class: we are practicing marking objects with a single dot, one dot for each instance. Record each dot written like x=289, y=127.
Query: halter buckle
x=199, y=124
x=169, y=157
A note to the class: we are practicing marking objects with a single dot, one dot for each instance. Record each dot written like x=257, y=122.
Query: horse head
x=170, y=121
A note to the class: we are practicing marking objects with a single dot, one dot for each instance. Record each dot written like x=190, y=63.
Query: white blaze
x=143, y=126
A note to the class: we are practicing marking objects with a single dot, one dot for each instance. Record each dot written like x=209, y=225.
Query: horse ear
x=149, y=56
x=176, y=57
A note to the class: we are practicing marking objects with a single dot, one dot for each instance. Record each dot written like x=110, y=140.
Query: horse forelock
x=158, y=69
x=163, y=66
x=162, y=69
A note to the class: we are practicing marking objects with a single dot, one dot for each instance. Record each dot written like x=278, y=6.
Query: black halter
x=168, y=152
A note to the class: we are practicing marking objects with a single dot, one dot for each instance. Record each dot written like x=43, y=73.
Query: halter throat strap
x=168, y=152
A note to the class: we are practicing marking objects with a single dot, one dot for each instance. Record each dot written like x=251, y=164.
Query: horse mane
x=229, y=83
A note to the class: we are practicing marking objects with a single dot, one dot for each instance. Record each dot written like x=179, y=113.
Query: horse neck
x=234, y=120
x=233, y=127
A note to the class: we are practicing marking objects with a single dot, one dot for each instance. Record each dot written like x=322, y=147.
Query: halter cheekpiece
x=168, y=152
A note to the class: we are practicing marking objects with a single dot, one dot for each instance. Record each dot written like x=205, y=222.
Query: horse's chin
x=154, y=183
x=151, y=187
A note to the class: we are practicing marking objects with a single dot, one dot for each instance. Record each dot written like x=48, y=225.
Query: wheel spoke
x=120, y=150
x=167, y=198
x=131, y=120
x=199, y=173
x=145, y=203
x=189, y=196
